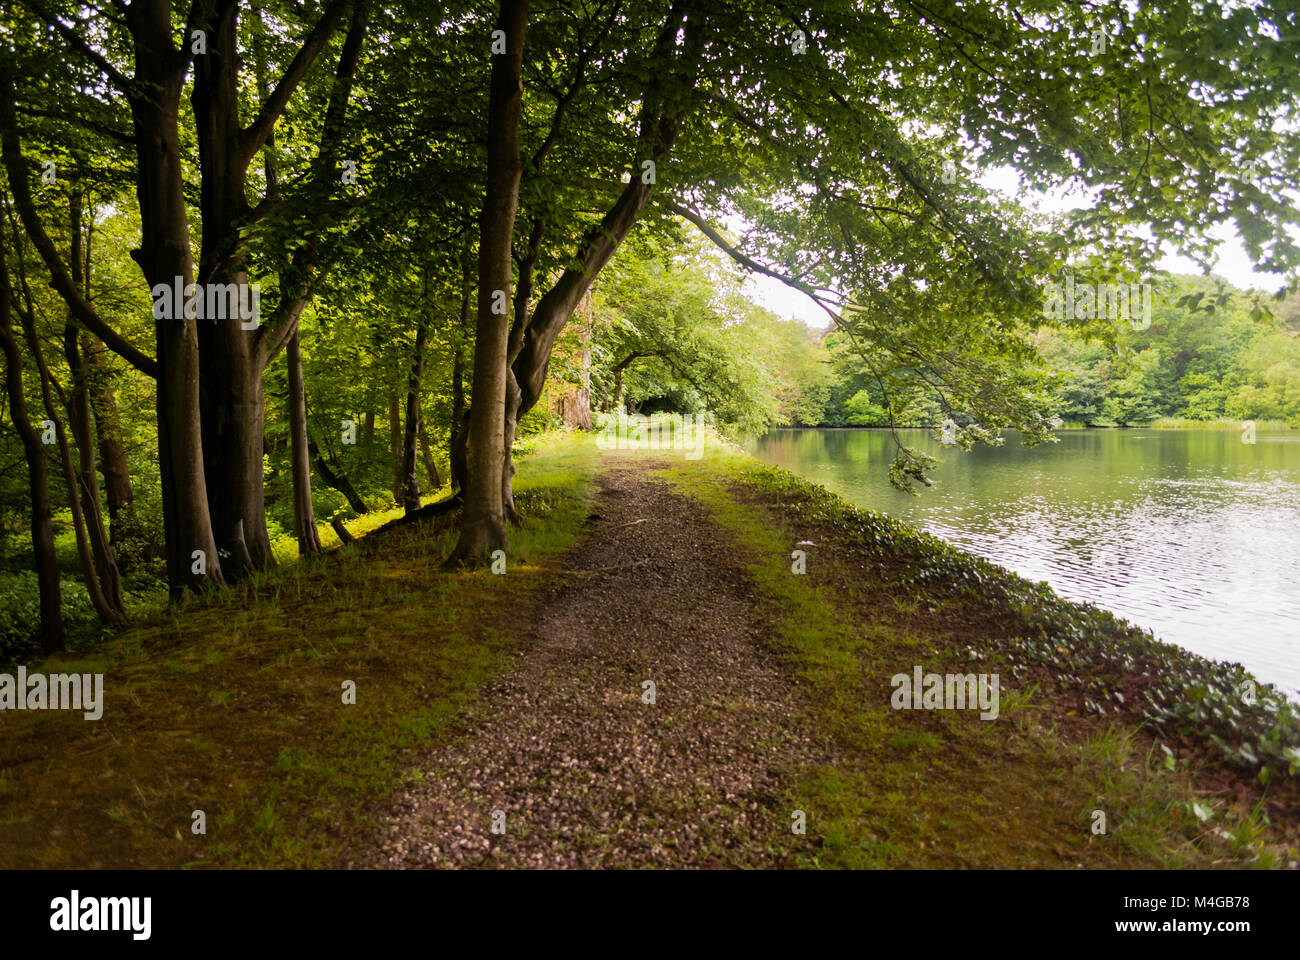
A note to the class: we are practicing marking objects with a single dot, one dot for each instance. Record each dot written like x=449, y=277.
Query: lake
x=1191, y=533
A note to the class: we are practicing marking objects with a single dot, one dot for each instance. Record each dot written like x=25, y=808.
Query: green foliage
x=537, y=421
x=675, y=335
x=1206, y=356
x=1192, y=363
x=20, y=613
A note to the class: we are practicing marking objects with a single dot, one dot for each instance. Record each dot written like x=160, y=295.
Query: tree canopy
x=424, y=196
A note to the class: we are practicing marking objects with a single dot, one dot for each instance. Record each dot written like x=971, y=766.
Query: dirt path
x=587, y=773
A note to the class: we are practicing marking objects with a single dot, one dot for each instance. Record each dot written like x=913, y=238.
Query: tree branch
x=89, y=124
x=79, y=43
x=271, y=339
x=749, y=263
x=61, y=280
x=255, y=135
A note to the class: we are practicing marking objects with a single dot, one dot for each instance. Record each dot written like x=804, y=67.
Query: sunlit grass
x=232, y=702
x=944, y=788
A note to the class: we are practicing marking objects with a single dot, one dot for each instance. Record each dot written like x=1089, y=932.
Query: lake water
x=1191, y=533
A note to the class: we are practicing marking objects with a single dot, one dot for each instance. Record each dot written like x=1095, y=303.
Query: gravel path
x=586, y=773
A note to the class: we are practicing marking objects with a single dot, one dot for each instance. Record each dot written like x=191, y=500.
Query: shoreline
x=230, y=703
x=1278, y=426
x=1073, y=578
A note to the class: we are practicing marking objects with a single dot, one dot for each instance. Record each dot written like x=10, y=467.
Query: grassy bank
x=144, y=592
x=1096, y=715
x=232, y=704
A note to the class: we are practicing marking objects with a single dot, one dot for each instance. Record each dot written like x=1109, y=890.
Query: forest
x=670, y=328
x=717, y=350
x=293, y=297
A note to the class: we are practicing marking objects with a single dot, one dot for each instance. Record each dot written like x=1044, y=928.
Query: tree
x=47, y=566
x=483, y=525
x=932, y=275
x=153, y=95
x=677, y=333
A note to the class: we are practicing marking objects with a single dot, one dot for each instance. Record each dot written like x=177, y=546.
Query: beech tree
x=210, y=406
x=47, y=567
x=386, y=192
x=854, y=140
x=483, y=525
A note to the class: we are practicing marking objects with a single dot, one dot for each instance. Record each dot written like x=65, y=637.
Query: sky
x=1233, y=264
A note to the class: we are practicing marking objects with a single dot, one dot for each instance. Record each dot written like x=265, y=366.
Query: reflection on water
x=1191, y=533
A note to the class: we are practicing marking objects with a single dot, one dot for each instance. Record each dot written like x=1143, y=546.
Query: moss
x=233, y=704
x=943, y=788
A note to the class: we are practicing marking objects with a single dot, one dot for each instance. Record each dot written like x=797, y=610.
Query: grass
x=233, y=704
x=944, y=788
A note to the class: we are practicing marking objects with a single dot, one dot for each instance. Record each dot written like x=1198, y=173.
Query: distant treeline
x=686, y=339
x=1189, y=364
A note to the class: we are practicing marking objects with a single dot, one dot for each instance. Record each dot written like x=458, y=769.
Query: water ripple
x=1189, y=533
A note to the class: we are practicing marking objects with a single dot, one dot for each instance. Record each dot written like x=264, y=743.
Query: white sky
x=1233, y=263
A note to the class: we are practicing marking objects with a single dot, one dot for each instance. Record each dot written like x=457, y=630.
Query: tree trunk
x=233, y=426
x=460, y=456
x=458, y=432
x=395, y=447
x=410, y=445
x=457, y=394
x=47, y=566
x=164, y=257
x=619, y=368
x=230, y=374
x=108, y=428
x=336, y=479
x=233, y=356
x=105, y=564
x=458, y=428
x=304, y=514
x=509, y=425
x=483, y=521
x=345, y=537
x=78, y=405
x=573, y=406
x=94, y=587
x=430, y=467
